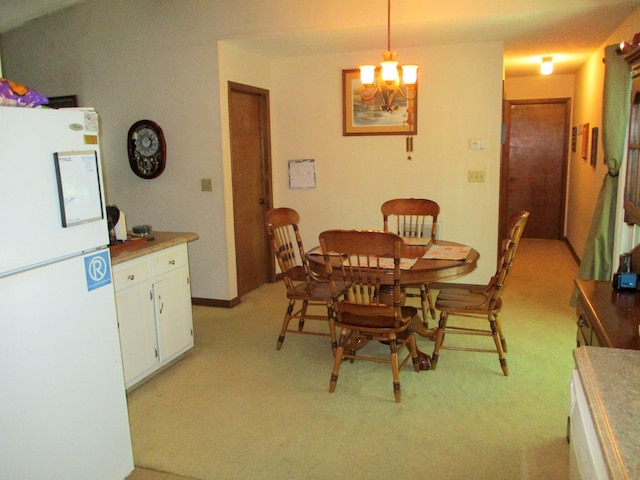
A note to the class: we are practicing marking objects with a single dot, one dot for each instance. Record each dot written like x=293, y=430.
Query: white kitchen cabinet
x=153, y=299
x=586, y=460
x=136, y=322
x=172, y=297
x=604, y=414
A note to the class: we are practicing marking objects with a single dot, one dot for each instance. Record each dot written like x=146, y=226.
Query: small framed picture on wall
x=585, y=140
x=594, y=146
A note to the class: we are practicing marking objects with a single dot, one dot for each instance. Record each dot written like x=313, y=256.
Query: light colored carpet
x=235, y=408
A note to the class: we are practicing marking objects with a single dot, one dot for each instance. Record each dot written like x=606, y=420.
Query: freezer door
x=30, y=217
x=63, y=411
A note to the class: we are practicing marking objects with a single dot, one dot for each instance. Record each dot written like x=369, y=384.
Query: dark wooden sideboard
x=607, y=317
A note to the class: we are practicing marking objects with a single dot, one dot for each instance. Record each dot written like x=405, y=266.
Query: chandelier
x=389, y=81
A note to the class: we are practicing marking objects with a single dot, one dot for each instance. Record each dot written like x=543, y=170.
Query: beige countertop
x=611, y=381
x=136, y=247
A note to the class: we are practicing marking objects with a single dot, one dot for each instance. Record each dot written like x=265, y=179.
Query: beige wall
x=244, y=67
x=170, y=65
x=539, y=86
x=585, y=181
x=356, y=174
x=131, y=62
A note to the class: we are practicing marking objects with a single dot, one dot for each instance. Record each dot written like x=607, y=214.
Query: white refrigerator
x=63, y=410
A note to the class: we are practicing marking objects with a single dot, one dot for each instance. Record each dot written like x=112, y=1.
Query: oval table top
x=425, y=270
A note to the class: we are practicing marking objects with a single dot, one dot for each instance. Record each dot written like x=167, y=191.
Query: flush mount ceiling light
x=546, y=66
x=390, y=80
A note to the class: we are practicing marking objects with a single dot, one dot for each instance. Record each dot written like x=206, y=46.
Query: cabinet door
x=173, y=313
x=137, y=330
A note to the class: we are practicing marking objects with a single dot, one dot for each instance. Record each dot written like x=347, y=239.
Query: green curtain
x=596, y=262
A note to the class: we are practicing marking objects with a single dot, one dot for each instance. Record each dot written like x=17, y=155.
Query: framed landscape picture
x=377, y=110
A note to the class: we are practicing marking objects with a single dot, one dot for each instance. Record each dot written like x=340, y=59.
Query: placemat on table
x=447, y=252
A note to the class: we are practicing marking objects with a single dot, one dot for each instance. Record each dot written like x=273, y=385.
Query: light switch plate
x=206, y=185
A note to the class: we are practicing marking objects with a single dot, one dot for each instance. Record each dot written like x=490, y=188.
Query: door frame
x=504, y=162
x=267, y=194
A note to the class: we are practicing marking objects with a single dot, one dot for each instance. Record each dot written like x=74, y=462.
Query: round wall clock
x=147, y=149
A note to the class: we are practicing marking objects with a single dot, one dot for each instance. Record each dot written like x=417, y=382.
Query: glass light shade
x=389, y=71
x=409, y=74
x=367, y=74
x=546, y=67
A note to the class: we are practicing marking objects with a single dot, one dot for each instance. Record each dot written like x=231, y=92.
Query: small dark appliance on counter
x=117, y=225
x=624, y=278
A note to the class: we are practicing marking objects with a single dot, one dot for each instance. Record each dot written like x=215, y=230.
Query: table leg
x=425, y=361
x=386, y=295
x=420, y=329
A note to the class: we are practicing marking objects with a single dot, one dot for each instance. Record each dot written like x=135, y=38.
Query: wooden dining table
x=425, y=270
x=451, y=260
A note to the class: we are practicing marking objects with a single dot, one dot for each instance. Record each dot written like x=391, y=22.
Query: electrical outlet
x=205, y=185
x=475, y=176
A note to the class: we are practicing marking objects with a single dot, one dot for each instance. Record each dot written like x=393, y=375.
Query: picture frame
x=594, y=146
x=66, y=101
x=365, y=111
x=585, y=140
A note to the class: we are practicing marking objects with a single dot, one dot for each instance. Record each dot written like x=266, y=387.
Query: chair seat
x=378, y=321
x=315, y=290
x=458, y=288
x=468, y=302
x=467, y=297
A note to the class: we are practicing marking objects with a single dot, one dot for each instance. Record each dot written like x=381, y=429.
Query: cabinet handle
x=161, y=307
x=131, y=276
x=172, y=262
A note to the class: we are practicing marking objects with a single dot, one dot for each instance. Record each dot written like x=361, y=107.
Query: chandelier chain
x=388, y=25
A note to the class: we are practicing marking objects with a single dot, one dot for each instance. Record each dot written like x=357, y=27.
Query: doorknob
x=262, y=201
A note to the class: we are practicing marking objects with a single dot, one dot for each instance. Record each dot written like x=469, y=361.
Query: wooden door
x=534, y=166
x=251, y=179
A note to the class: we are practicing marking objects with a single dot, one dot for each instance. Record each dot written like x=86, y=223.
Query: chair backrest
x=516, y=225
x=411, y=217
x=286, y=242
x=362, y=259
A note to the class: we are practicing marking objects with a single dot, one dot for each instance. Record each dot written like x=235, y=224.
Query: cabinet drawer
x=585, y=328
x=171, y=259
x=129, y=274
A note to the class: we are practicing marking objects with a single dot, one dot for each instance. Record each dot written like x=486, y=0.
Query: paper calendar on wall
x=302, y=173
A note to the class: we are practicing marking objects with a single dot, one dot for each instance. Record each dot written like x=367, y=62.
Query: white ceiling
x=569, y=30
